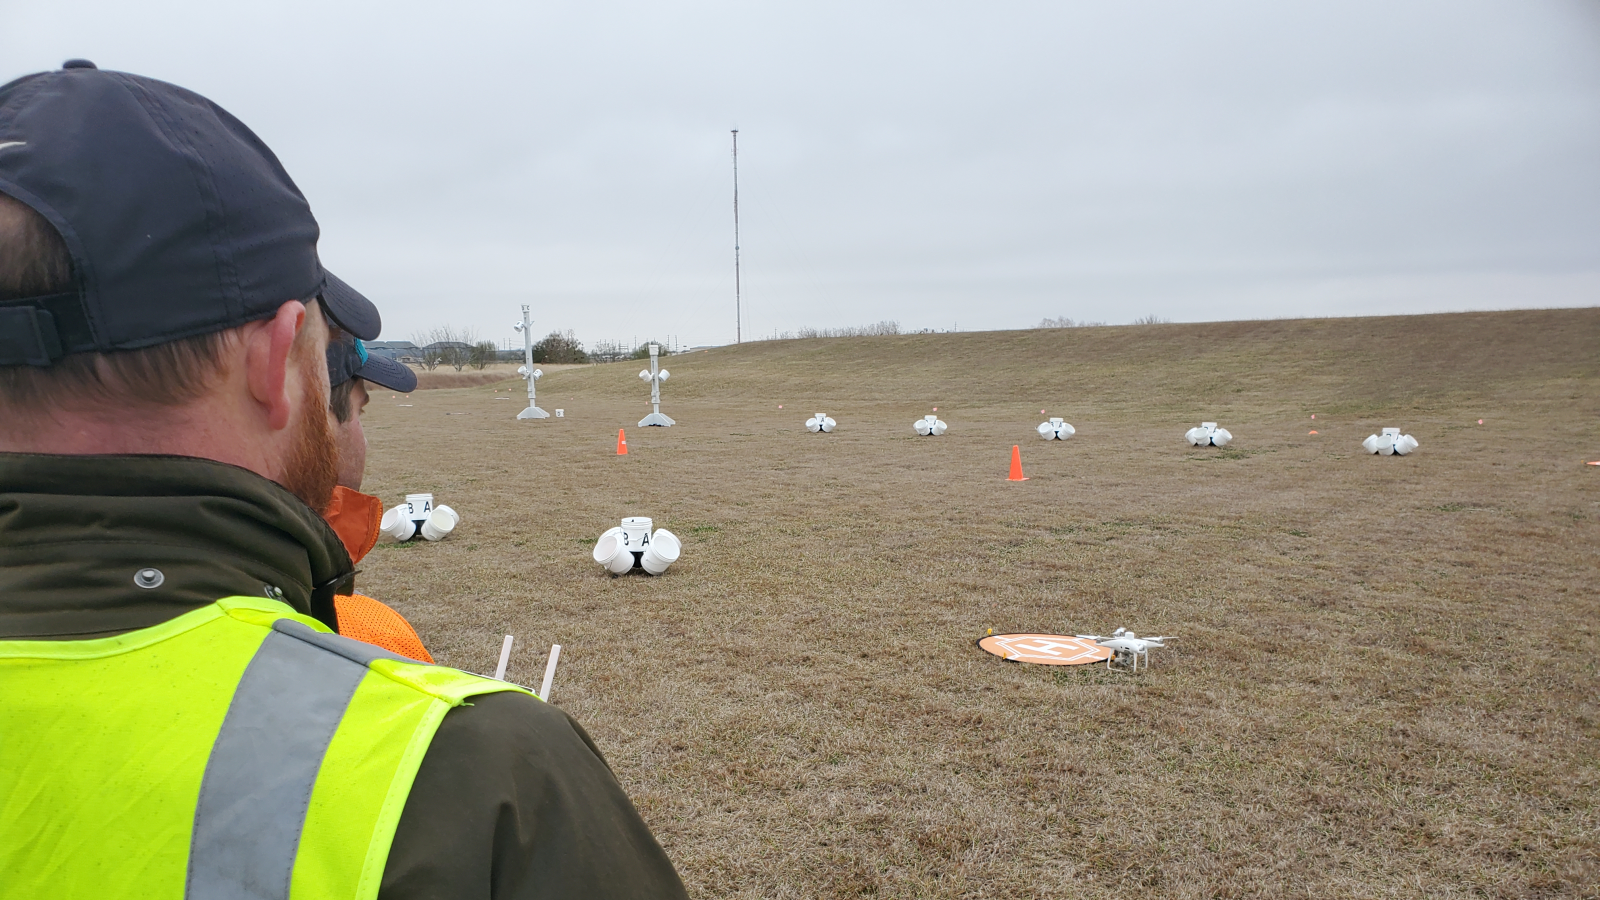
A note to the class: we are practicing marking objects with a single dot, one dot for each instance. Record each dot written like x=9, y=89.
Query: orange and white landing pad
x=1045, y=649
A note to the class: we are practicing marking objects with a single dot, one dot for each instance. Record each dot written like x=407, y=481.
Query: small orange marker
x=1595, y=463
x=1016, y=464
x=1480, y=421
x=1311, y=432
x=622, y=443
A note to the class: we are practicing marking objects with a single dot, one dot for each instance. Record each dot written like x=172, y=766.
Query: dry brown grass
x=1385, y=684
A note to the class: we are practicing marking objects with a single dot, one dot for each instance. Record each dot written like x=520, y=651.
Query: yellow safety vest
x=237, y=751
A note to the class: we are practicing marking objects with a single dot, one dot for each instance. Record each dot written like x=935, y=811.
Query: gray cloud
x=935, y=163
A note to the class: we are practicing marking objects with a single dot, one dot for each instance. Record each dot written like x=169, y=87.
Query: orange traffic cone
x=1016, y=464
x=622, y=443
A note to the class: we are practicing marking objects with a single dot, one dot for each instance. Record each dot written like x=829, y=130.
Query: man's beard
x=313, y=467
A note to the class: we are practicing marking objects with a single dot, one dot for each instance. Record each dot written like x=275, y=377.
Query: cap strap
x=28, y=337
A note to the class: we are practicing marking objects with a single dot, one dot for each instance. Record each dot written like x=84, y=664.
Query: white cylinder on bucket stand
x=1208, y=434
x=1390, y=443
x=632, y=545
x=820, y=423
x=663, y=551
x=1056, y=430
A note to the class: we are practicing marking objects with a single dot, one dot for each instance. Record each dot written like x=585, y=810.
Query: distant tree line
x=457, y=348
x=460, y=348
x=887, y=326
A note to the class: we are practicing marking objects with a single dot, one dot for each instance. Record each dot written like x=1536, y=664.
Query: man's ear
x=269, y=343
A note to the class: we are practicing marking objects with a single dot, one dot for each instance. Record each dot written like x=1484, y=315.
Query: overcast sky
x=972, y=165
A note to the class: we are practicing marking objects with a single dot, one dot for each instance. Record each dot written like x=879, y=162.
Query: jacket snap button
x=148, y=578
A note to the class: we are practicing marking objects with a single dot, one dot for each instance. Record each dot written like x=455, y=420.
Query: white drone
x=1127, y=647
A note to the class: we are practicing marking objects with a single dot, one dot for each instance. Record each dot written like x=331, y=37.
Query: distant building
x=403, y=351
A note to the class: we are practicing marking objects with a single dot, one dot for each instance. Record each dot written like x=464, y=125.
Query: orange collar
x=356, y=518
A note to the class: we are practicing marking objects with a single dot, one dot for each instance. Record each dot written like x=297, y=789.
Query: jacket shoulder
x=514, y=800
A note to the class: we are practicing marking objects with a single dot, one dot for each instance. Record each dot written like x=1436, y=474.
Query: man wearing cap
x=356, y=517
x=178, y=716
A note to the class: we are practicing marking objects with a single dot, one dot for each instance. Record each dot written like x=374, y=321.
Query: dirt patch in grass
x=1385, y=682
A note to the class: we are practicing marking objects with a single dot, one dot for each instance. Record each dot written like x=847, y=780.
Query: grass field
x=1385, y=683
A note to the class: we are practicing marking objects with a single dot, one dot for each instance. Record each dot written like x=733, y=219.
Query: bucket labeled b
x=610, y=552
x=397, y=524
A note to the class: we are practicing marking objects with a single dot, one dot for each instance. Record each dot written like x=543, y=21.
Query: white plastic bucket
x=1220, y=437
x=1047, y=430
x=561, y=413
x=1404, y=444
x=923, y=427
x=1065, y=430
x=1196, y=436
x=610, y=552
x=663, y=551
x=828, y=425
x=636, y=533
x=814, y=424
x=397, y=524
x=418, y=506
x=440, y=523
x=939, y=427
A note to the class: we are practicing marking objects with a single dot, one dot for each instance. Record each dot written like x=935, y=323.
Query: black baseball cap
x=348, y=358
x=179, y=220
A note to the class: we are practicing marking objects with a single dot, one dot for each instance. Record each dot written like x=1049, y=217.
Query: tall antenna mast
x=738, y=317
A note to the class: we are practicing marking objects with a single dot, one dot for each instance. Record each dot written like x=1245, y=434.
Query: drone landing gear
x=1128, y=660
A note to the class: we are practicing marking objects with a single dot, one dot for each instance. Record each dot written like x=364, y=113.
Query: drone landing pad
x=1044, y=649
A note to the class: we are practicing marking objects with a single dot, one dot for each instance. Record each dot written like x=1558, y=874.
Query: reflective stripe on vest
x=237, y=751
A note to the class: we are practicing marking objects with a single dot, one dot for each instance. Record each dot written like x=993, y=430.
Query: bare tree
x=481, y=354
x=445, y=345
